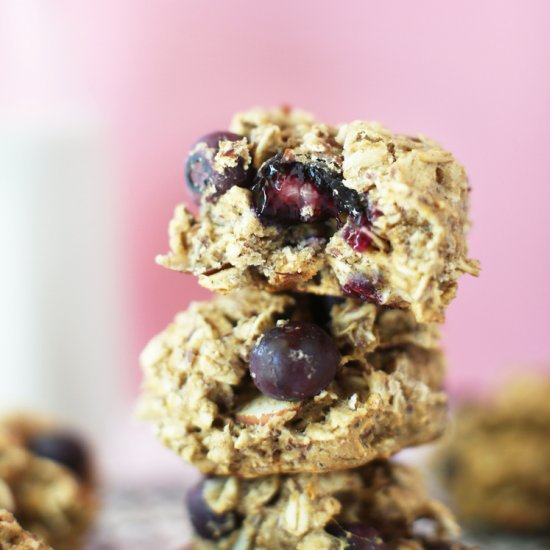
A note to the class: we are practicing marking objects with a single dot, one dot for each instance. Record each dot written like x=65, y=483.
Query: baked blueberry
x=289, y=192
x=294, y=361
x=205, y=521
x=200, y=171
x=63, y=448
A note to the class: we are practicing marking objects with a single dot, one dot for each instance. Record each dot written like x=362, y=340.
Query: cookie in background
x=47, y=481
x=496, y=462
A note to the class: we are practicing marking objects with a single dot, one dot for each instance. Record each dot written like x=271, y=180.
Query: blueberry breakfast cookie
x=254, y=383
x=14, y=537
x=287, y=203
x=380, y=506
x=497, y=464
x=46, y=481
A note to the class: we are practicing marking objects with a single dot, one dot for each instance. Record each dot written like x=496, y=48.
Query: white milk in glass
x=60, y=303
x=60, y=330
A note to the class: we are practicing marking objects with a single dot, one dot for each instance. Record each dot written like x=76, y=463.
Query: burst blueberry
x=290, y=192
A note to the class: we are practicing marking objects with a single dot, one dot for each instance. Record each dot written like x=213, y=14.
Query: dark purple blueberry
x=358, y=536
x=363, y=289
x=205, y=521
x=289, y=192
x=63, y=448
x=294, y=362
x=199, y=167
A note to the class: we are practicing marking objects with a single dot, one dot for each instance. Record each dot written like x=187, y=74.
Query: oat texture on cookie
x=336, y=210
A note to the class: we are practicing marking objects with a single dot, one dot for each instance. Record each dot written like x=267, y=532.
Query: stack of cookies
x=336, y=251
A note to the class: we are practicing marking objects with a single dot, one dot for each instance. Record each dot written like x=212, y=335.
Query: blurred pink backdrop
x=473, y=75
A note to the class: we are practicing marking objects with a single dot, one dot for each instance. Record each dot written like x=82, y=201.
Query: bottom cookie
x=46, y=482
x=381, y=506
x=14, y=537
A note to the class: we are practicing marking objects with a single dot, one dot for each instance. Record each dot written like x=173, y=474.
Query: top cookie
x=354, y=210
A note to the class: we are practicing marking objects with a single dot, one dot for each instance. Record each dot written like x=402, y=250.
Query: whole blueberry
x=63, y=448
x=206, y=523
x=199, y=167
x=294, y=361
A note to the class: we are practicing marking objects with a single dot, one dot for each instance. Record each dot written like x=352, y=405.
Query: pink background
x=472, y=75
